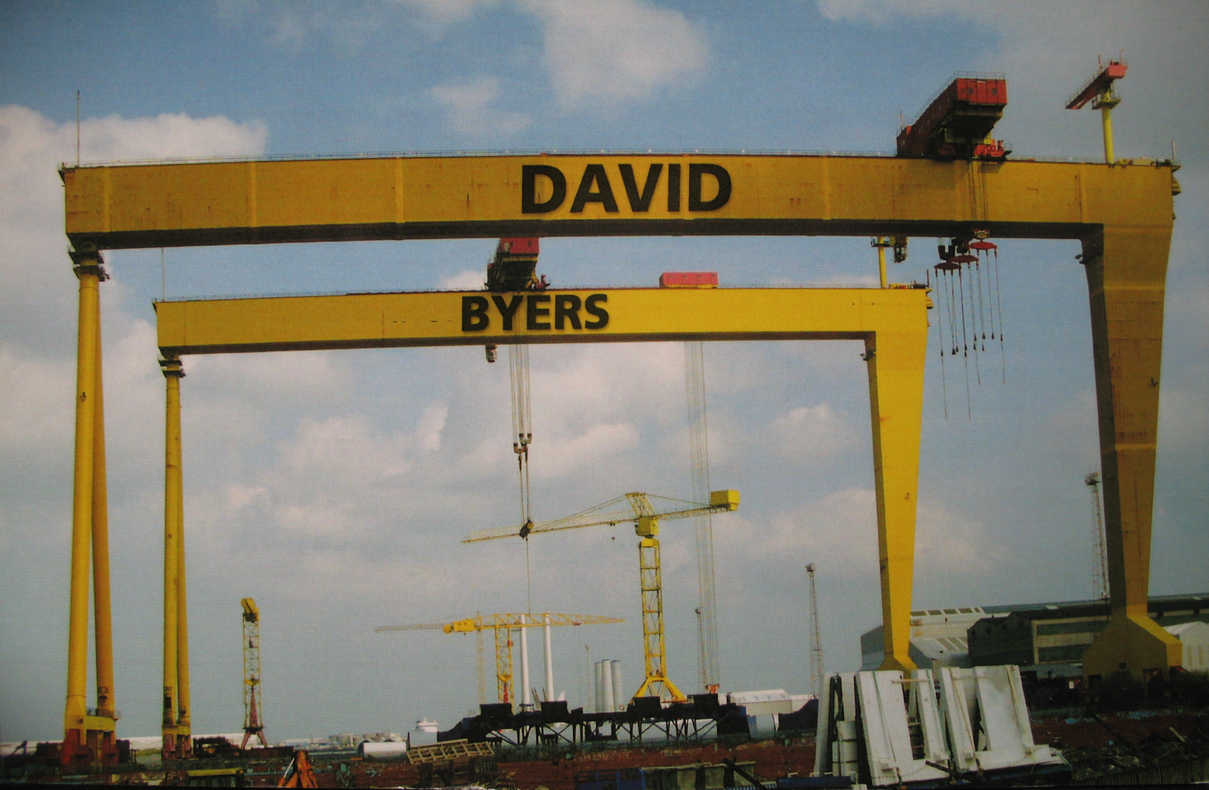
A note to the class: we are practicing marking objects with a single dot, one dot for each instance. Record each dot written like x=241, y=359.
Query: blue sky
x=333, y=487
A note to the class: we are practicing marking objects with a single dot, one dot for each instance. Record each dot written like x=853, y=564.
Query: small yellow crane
x=645, y=518
x=252, y=725
x=502, y=624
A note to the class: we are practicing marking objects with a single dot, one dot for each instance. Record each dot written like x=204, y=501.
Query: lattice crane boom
x=645, y=517
x=816, y=638
x=642, y=506
x=502, y=624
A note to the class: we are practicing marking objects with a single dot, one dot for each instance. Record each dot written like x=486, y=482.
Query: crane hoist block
x=958, y=121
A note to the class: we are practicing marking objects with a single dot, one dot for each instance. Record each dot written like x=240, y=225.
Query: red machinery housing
x=958, y=122
x=1098, y=85
x=688, y=280
x=514, y=265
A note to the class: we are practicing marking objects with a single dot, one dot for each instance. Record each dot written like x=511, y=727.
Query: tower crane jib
x=645, y=517
x=502, y=625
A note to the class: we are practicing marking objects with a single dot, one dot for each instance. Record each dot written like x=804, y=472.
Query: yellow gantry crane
x=252, y=725
x=502, y=625
x=645, y=518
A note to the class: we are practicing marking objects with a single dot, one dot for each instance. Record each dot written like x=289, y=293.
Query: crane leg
x=88, y=737
x=173, y=372
x=895, y=361
x=1126, y=272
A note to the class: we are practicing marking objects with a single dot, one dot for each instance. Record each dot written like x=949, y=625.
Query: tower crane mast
x=252, y=725
x=645, y=518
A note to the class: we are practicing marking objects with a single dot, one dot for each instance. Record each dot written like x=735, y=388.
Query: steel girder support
x=175, y=726
x=895, y=361
x=1126, y=276
x=89, y=737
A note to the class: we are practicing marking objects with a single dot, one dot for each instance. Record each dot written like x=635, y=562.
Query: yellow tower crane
x=252, y=725
x=502, y=625
x=646, y=526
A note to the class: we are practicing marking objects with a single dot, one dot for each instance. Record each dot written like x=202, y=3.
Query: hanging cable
x=999, y=309
x=989, y=253
x=940, y=342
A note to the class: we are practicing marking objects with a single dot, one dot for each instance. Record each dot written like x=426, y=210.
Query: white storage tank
x=608, y=684
x=382, y=750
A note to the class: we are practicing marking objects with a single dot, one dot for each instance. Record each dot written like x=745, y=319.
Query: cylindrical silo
x=604, y=686
x=619, y=698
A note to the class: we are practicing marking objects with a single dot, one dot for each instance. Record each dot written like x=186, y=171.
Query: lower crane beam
x=892, y=324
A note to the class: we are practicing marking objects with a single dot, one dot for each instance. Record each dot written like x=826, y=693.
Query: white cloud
x=616, y=50
x=37, y=356
x=567, y=455
x=810, y=431
x=431, y=426
x=473, y=108
x=35, y=386
x=469, y=280
x=842, y=526
x=168, y=136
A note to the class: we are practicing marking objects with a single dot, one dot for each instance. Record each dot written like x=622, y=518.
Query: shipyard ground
x=1139, y=747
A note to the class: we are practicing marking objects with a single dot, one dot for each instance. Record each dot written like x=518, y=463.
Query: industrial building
x=937, y=636
x=1047, y=639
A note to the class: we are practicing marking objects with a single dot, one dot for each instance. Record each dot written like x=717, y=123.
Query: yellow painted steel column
x=881, y=243
x=1106, y=106
x=173, y=372
x=105, y=719
x=1126, y=275
x=90, y=272
x=183, y=728
x=895, y=362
